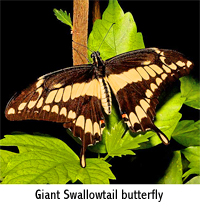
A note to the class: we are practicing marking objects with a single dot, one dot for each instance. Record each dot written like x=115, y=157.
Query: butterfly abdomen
x=106, y=99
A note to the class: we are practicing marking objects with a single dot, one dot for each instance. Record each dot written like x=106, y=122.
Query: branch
x=96, y=14
x=80, y=31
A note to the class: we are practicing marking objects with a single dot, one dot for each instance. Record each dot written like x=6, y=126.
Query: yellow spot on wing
x=88, y=126
x=39, y=83
x=153, y=86
x=164, y=76
x=140, y=113
x=31, y=104
x=146, y=62
x=66, y=94
x=11, y=111
x=173, y=66
x=58, y=85
x=55, y=109
x=51, y=96
x=133, y=119
x=150, y=71
x=144, y=105
x=63, y=111
x=166, y=68
x=80, y=121
x=40, y=102
x=76, y=90
x=180, y=63
x=71, y=115
x=148, y=93
x=22, y=106
x=59, y=95
x=158, y=81
x=189, y=63
x=156, y=68
x=46, y=108
x=143, y=73
x=96, y=128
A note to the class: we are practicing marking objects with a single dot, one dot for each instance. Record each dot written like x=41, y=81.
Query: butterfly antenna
x=82, y=55
x=82, y=45
x=105, y=36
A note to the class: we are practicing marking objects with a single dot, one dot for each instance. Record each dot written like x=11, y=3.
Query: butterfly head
x=96, y=58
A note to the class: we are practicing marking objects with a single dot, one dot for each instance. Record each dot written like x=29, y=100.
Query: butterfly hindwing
x=137, y=78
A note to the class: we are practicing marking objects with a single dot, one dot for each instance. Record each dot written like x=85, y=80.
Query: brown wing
x=137, y=79
x=70, y=96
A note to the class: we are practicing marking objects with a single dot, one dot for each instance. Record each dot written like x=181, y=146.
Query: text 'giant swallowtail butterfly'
x=79, y=96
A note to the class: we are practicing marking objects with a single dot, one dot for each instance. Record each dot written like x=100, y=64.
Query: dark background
x=34, y=42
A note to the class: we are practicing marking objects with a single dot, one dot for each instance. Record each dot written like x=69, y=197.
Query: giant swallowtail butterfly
x=78, y=96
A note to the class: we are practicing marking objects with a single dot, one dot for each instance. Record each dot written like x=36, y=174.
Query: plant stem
x=80, y=31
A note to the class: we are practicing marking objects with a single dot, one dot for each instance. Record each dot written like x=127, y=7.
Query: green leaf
x=192, y=154
x=167, y=118
x=187, y=133
x=114, y=142
x=97, y=171
x=190, y=88
x=173, y=174
x=195, y=180
x=122, y=36
x=118, y=146
x=49, y=160
x=5, y=157
x=63, y=17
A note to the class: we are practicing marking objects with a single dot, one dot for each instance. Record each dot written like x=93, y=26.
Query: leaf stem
x=106, y=157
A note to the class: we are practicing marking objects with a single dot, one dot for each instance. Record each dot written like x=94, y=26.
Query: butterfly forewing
x=137, y=78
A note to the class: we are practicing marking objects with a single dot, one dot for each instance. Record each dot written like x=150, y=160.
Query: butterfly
x=80, y=96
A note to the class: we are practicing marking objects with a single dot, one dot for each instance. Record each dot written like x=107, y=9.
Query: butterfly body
x=80, y=96
x=99, y=69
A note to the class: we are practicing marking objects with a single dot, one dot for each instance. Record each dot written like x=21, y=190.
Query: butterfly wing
x=70, y=96
x=137, y=78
